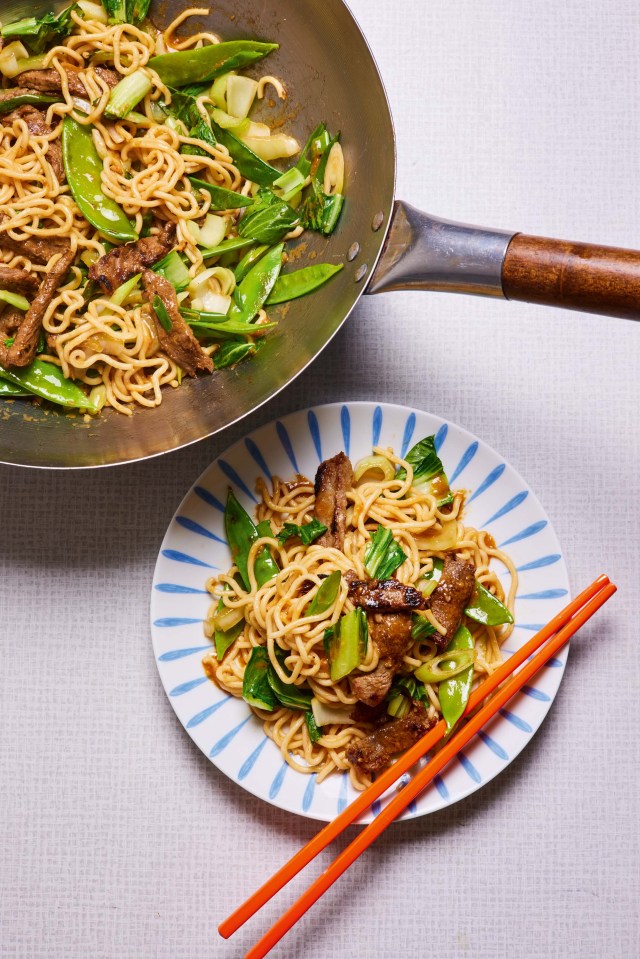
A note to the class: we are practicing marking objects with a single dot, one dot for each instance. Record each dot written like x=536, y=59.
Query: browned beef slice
x=123, y=262
x=10, y=320
x=375, y=752
x=49, y=81
x=25, y=344
x=451, y=595
x=385, y=595
x=18, y=281
x=38, y=127
x=37, y=249
x=333, y=478
x=179, y=342
x=391, y=635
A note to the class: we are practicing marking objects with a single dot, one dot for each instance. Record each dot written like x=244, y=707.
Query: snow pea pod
x=487, y=609
x=241, y=532
x=83, y=169
x=248, y=163
x=265, y=566
x=326, y=595
x=292, y=285
x=204, y=64
x=227, y=329
x=227, y=246
x=221, y=199
x=254, y=290
x=248, y=260
x=12, y=389
x=454, y=693
x=24, y=98
x=46, y=380
x=231, y=353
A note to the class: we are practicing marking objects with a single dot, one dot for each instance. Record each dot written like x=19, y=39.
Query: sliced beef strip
x=385, y=595
x=179, y=342
x=25, y=345
x=38, y=127
x=391, y=635
x=375, y=752
x=36, y=249
x=50, y=81
x=450, y=597
x=18, y=281
x=10, y=320
x=333, y=478
x=123, y=262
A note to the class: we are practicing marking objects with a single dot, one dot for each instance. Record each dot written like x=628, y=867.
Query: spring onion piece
x=268, y=219
x=427, y=583
x=292, y=285
x=38, y=34
x=403, y=690
x=224, y=639
x=454, y=693
x=11, y=58
x=226, y=617
x=14, y=299
x=334, y=171
x=383, y=555
x=125, y=290
x=173, y=268
x=445, y=665
x=307, y=533
x=46, y=380
x=487, y=609
x=256, y=689
x=204, y=64
x=428, y=472
x=312, y=727
x=421, y=628
x=127, y=95
x=328, y=715
x=221, y=199
x=326, y=595
x=162, y=313
x=314, y=147
x=348, y=645
x=374, y=468
x=240, y=92
x=290, y=181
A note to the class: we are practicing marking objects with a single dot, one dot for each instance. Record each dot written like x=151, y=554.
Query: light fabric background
x=119, y=839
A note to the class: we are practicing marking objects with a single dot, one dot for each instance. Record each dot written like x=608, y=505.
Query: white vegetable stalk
x=10, y=57
x=213, y=230
x=128, y=94
x=326, y=715
x=93, y=11
x=334, y=171
x=272, y=148
x=241, y=92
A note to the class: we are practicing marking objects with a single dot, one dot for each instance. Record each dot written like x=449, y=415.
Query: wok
x=386, y=245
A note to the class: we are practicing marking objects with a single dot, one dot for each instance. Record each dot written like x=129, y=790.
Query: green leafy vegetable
x=10, y=103
x=256, y=688
x=307, y=533
x=232, y=353
x=427, y=583
x=162, y=313
x=348, y=644
x=38, y=34
x=384, y=555
x=428, y=472
x=312, y=727
x=321, y=211
x=137, y=10
x=173, y=268
x=288, y=694
x=421, y=628
x=403, y=690
x=268, y=219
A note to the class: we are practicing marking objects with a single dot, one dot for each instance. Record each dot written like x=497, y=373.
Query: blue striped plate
x=194, y=548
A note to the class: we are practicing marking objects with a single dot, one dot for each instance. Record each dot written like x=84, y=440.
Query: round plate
x=194, y=549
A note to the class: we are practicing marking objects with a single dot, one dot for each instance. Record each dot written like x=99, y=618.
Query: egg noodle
x=113, y=349
x=274, y=615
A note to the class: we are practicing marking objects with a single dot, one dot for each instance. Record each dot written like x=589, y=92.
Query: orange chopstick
x=416, y=785
x=362, y=802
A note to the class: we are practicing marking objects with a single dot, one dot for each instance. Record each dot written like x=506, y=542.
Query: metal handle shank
x=422, y=252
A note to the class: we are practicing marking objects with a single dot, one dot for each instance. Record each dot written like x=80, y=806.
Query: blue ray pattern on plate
x=539, y=563
x=314, y=429
x=237, y=480
x=532, y=627
x=376, y=426
x=516, y=721
x=469, y=768
x=493, y=745
x=193, y=527
x=250, y=761
x=205, y=713
x=278, y=780
x=342, y=798
x=536, y=693
x=307, y=799
x=208, y=498
x=285, y=439
x=376, y=806
x=345, y=423
x=179, y=557
x=525, y=533
x=465, y=459
x=169, y=622
x=441, y=436
x=222, y=744
x=441, y=787
x=544, y=594
x=181, y=653
x=511, y=504
x=188, y=686
x=487, y=482
x=256, y=455
x=409, y=427
x=178, y=589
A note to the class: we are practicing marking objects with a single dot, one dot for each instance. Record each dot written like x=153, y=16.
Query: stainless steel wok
x=331, y=75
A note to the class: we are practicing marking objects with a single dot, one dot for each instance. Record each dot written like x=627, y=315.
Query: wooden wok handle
x=576, y=276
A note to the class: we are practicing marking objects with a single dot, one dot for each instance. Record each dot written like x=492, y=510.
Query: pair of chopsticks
x=558, y=631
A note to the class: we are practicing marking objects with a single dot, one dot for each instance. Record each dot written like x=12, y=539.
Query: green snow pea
x=204, y=64
x=227, y=246
x=46, y=380
x=12, y=389
x=248, y=163
x=241, y=532
x=326, y=595
x=221, y=199
x=254, y=290
x=454, y=693
x=487, y=609
x=83, y=168
x=232, y=353
x=292, y=285
x=26, y=99
x=224, y=329
x=250, y=258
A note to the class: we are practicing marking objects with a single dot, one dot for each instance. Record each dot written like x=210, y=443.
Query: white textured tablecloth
x=119, y=839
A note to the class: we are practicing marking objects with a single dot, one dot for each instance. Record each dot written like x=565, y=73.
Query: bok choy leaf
x=38, y=34
x=428, y=472
x=383, y=555
x=307, y=533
